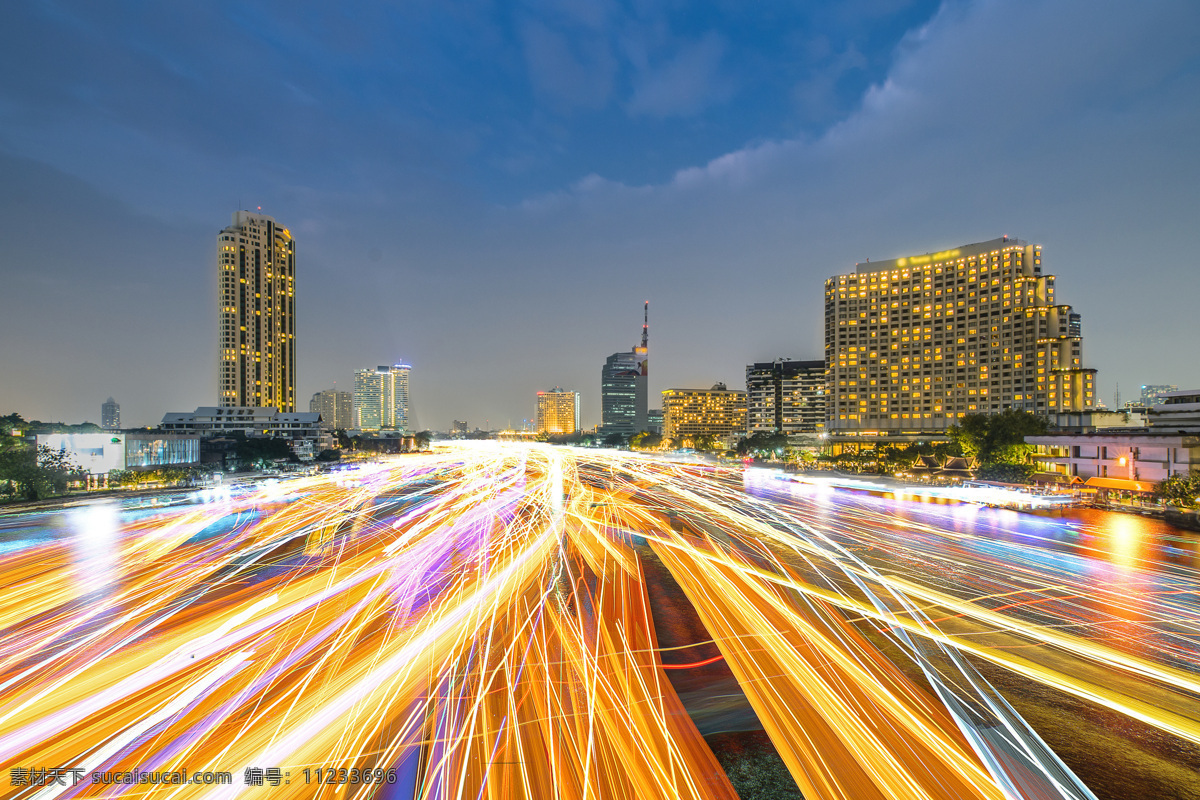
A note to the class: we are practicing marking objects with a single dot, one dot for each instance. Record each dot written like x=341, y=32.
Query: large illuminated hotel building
x=256, y=261
x=912, y=344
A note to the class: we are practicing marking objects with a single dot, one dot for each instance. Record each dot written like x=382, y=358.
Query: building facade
x=785, y=396
x=1124, y=456
x=718, y=412
x=250, y=421
x=619, y=394
x=381, y=397
x=557, y=411
x=624, y=387
x=913, y=344
x=336, y=409
x=256, y=269
x=99, y=453
x=1152, y=393
x=110, y=415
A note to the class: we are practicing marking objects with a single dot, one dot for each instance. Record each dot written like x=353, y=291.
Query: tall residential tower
x=381, y=397
x=256, y=268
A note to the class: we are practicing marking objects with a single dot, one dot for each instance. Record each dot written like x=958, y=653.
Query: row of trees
x=28, y=473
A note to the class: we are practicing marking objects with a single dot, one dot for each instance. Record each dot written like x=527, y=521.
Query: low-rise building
x=1132, y=458
x=211, y=421
x=100, y=453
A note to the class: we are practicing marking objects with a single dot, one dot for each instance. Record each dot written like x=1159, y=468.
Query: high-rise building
x=624, y=387
x=1151, y=394
x=110, y=415
x=618, y=393
x=912, y=344
x=381, y=397
x=336, y=408
x=557, y=411
x=256, y=261
x=719, y=412
x=785, y=396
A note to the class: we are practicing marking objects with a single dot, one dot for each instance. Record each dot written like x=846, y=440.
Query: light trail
x=480, y=623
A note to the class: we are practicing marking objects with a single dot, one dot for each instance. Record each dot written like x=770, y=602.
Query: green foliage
x=616, y=439
x=997, y=438
x=704, y=442
x=1179, y=490
x=255, y=451
x=326, y=456
x=763, y=444
x=423, y=439
x=645, y=441
x=35, y=474
x=1005, y=473
x=169, y=476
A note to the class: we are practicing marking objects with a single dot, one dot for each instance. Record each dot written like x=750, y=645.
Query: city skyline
x=727, y=204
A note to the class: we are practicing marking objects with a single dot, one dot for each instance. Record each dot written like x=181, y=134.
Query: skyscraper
x=785, y=396
x=381, y=397
x=912, y=344
x=557, y=411
x=336, y=408
x=256, y=262
x=110, y=415
x=624, y=387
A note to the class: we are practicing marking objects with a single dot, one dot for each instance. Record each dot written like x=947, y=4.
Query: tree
x=1179, y=490
x=614, y=440
x=326, y=456
x=704, y=441
x=35, y=474
x=763, y=444
x=998, y=438
x=645, y=441
x=423, y=439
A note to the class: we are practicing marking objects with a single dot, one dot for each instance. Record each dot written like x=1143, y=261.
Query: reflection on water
x=95, y=546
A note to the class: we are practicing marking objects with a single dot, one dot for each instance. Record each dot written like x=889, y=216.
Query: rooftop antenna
x=646, y=325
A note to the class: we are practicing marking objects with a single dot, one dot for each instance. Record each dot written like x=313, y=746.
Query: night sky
x=490, y=191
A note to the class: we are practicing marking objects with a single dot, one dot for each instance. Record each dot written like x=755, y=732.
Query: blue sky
x=489, y=191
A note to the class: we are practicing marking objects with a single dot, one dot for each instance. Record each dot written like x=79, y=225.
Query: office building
x=785, y=396
x=336, y=409
x=460, y=427
x=110, y=415
x=618, y=393
x=256, y=261
x=557, y=411
x=99, y=453
x=381, y=398
x=912, y=344
x=624, y=387
x=654, y=420
x=1152, y=394
x=718, y=412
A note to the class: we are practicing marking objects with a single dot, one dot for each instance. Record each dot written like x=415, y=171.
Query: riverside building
x=785, y=396
x=381, y=398
x=718, y=412
x=336, y=408
x=256, y=270
x=557, y=411
x=912, y=344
